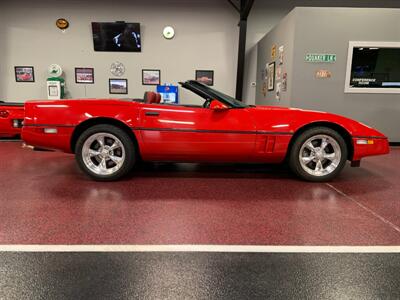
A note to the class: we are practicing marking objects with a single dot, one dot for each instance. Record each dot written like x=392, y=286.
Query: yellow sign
x=273, y=51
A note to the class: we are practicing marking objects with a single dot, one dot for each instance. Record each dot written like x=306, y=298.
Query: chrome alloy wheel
x=103, y=153
x=320, y=155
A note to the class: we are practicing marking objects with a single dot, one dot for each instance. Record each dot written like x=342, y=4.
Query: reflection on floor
x=45, y=199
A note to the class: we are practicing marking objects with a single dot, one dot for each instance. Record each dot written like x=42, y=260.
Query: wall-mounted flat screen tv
x=117, y=36
x=375, y=67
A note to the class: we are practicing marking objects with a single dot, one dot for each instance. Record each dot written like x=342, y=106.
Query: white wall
x=206, y=38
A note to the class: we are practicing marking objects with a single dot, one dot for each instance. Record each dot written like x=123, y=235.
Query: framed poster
x=278, y=72
x=118, y=86
x=278, y=91
x=205, y=76
x=84, y=75
x=151, y=77
x=271, y=76
x=24, y=74
x=372, y=67
x=281, y=50
x=284, y=82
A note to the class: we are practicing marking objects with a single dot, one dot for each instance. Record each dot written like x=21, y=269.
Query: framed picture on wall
x=151, y=77
x=118, y=86
x=24, y=74
x=271, y=76
x=205, y=76
x=84, y=75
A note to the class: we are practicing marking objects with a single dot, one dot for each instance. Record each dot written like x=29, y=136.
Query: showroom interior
x=169, y=149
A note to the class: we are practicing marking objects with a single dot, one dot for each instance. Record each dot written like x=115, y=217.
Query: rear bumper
x=36, y=137
x=372, y=146
x=7, y=128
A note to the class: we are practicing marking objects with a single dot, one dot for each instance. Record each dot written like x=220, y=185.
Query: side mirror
x=217, y=106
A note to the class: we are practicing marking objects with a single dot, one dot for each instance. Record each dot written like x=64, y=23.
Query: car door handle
x=152, y=113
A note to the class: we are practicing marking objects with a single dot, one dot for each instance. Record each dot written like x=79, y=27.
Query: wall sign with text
x=321, y=74
x=320, y=58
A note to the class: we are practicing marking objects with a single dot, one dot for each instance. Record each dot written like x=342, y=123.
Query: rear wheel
x=105, y=152
x=318, y=154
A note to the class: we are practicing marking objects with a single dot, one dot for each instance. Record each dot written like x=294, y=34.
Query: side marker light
x=50, y=130
x=365, y=142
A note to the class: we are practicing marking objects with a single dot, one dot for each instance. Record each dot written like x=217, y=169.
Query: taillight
x=17, y=123
x=4, y=114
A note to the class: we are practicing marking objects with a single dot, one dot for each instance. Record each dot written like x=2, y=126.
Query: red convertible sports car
x=109, y=136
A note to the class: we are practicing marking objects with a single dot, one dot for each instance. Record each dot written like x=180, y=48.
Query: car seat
x=158, y=98
x=150, y=97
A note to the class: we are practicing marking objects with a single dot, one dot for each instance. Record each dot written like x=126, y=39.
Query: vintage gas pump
x=55, y=83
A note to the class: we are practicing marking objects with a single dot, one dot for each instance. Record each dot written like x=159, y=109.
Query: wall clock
x=55, y=70
x=62, y=24
x=117, y=69
x=169, y=32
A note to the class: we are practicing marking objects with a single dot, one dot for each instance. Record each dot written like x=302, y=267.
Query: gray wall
x=329, y=30
x=266, y=14
x=282, y=35
x=343, y=25
x=206, y=38
x=3, y=62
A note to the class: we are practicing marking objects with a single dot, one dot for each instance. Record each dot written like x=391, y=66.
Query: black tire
x=127, y=142
x=294, y=159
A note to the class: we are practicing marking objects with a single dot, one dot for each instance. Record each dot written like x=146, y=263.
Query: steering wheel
x=207, y=103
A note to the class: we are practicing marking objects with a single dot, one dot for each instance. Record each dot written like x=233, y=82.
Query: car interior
x=155, y=98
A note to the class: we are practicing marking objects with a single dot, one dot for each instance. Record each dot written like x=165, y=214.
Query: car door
x=179, y=133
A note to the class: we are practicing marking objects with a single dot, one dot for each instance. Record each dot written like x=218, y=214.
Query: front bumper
x=369, y=146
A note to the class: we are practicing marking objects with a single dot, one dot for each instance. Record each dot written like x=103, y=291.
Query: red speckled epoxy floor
x=45, y=199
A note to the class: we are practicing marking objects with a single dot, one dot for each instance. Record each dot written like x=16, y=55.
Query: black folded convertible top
x=2, y=103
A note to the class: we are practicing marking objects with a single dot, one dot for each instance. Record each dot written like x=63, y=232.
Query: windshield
x=227, y=98
x=207, y=92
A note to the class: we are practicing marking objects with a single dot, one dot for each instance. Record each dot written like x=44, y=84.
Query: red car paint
x=178, y=133
x=8, y=113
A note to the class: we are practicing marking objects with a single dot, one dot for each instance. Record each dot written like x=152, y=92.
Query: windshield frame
x=208, y=93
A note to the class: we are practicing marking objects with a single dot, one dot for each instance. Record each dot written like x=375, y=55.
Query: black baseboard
x=394, y=143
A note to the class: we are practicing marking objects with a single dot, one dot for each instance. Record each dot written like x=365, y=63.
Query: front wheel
x=318, y=154
x=105, y=152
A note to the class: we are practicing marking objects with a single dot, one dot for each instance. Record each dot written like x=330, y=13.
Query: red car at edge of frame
x=109, y=136
x=11, y=118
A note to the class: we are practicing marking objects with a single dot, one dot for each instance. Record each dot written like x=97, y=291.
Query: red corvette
x=11, y=117
x=109, y=136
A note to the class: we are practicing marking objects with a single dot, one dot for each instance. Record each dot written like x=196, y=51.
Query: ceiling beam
x=244, y=13
x=234, y=6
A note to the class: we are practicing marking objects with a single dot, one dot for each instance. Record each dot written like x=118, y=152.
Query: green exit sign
x=320, y=58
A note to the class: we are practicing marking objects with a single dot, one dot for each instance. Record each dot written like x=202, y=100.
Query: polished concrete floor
x=199, y=276
x=45, y=199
